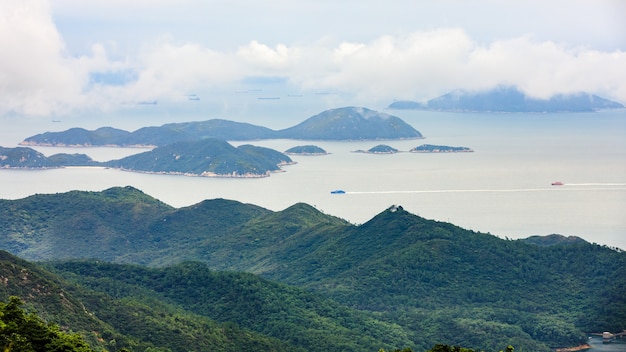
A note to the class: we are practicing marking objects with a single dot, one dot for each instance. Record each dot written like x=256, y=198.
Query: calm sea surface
x=504, y=187
x=598, y=346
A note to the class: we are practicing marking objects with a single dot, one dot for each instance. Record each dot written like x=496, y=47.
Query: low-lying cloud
x=38, y=76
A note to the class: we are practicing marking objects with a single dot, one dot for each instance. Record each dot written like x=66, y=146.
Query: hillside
x=23, y=158
x=205, y=157
x=306, y=150
x=28, y=158
x=441, y=282
x=305, y=321
x=349, y=123
x=142, y=322
x=510, y=99
x=379, y=149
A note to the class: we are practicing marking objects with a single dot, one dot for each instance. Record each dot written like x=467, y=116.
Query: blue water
x=615, y=346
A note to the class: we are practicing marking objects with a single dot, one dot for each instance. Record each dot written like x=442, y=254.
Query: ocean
x=503, y=187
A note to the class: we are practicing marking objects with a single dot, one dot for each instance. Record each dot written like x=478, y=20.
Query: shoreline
x=582, y=347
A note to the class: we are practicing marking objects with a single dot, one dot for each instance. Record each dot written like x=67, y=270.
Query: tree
x=22, y=332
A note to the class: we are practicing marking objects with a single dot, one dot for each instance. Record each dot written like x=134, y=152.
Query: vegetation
x=28, y=158
x=396, y=280
x=206, y=157
x=349, y=123
x=20, y=331
x=379, y=149
x=23, y=158
x=306, y=150
x=292, y=315
x=430, y=148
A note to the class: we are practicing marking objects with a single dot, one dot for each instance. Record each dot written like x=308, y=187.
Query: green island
x=379, y=149
x=306, y=150
x=346, y=123
x=207, y=158
x=430, y=148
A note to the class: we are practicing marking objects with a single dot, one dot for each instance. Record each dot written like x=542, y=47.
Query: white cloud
x=39, y=77
x=35, y=78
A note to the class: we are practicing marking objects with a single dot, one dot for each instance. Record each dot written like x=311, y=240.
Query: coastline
x=582, y=347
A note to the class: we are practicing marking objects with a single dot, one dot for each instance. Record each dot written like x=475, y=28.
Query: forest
x=128, y=271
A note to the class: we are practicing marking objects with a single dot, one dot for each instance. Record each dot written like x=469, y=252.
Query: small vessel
x=557, y=183
x=338, y=191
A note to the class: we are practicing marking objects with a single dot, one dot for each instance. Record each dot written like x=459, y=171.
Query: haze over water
x=504, y=187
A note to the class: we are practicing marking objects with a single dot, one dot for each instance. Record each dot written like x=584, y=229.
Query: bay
x=503, y=188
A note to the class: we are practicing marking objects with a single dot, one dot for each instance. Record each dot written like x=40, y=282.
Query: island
x=28, y=158
x=379, y=149
x=351, y=123
x=347, y=123
x=207, y=157
x=509, y=99
x=430, y=148
x=306, y=150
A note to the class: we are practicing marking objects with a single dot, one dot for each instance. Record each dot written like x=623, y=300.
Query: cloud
x=35, y=78
x=38, y=76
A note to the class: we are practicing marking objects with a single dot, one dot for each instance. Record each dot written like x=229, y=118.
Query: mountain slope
x=23, y=158
x=136, y=323
x=205, y=157
x=302, y=319
x=351, y=123
x=432, y=278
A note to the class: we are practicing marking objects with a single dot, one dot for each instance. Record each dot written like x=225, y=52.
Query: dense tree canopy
x=27, y=332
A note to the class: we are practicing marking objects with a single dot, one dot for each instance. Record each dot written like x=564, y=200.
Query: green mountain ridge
x=436, y=281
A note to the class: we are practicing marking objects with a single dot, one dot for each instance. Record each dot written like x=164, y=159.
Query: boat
x=557, y=183
x=338, y=191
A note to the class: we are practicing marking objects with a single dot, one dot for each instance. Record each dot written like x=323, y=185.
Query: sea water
x=503, y=187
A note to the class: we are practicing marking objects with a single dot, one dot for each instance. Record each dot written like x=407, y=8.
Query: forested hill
x=439, y=282
x=184, y=308
x=206, y=157
x=347, y=123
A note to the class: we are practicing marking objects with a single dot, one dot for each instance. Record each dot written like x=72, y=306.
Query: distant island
x=28, y=158
x=348, y=123
x=351, y=123
x=379, y=149
x=208, y=158
x=430, y=148
x=424, y=148
x=509, y=99
x=306, y=150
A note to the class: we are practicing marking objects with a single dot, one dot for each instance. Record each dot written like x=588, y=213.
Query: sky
x=66, y=56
